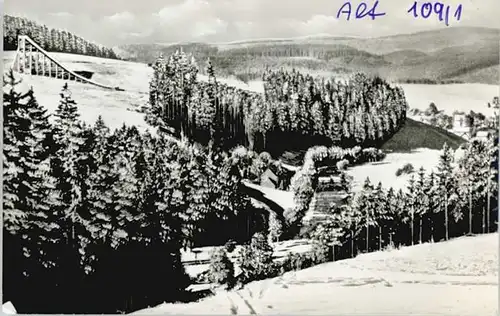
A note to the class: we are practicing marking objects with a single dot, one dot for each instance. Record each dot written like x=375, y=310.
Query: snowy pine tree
x=70, y=167
x=446, y=185
x=34, y=236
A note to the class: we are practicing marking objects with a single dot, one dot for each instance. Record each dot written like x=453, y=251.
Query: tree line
x=88, y=210
x=230, y=58
x=51, y=40
x=305, y=111
x=459, y=198
x=429, y=81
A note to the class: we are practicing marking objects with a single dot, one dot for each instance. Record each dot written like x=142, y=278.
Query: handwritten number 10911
x=442, y=12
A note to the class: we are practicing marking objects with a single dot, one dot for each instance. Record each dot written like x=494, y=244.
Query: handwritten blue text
x=419, y=10
x=361, y=12
x=441, y=11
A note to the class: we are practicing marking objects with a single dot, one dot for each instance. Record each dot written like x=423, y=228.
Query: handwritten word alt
x=438, y=9
x=361, y=11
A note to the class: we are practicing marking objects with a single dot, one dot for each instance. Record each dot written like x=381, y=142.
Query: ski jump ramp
x=33, y=60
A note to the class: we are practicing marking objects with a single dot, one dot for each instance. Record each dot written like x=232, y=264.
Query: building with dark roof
x=276, y=177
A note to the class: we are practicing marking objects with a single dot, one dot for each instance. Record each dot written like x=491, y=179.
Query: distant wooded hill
x=459, y=54
x=50, y=39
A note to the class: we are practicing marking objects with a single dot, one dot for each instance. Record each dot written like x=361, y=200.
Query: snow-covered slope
x=458, y=277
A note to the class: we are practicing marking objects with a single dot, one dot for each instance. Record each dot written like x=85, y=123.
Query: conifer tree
x=381, y=212
x=445, y=180
x=404, y=217
x=431, y=190
x=102, y=181
x=328, y=234
x=221, y=269
x=275, y=228
x=351, y=219
x=421, y=202
x=32, y=231
x=70, y=167
x=466, y=182
x=16, y=125
x=391, y=211
x=317, y=117
x=27, y=141
x=491, y=174
x=126, y=190
x=365, y=203
x=161, y=229
x=192, y=203
x=256, y=259
x=412, y=200
x=472, y=176
x=226, y=197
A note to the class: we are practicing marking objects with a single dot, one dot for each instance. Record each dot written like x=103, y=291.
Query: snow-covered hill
x=458, y=277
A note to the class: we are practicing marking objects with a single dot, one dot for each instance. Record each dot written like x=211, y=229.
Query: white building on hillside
x=461, y=125
x=486, y=133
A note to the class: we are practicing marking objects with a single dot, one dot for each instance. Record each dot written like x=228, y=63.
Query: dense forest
x=250, y=63
x=302, y=109
x=202, y=51
x=362, y=110
x=318, y=51
x=88, y=210
x=51, y=40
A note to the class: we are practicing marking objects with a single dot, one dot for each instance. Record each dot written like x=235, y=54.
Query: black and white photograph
x=250, y=157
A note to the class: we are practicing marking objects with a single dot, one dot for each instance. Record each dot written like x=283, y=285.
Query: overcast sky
x=113, y=22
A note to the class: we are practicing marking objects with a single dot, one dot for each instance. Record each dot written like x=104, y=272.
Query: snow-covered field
x=452, y=97
x=458, y=277
x=385, y=171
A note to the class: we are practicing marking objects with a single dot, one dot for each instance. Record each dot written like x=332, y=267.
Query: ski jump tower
x=33, y=60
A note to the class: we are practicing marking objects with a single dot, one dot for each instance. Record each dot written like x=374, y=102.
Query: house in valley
x=269, y=179
x=485, y=133
x=462, y=125
x=276, y=176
